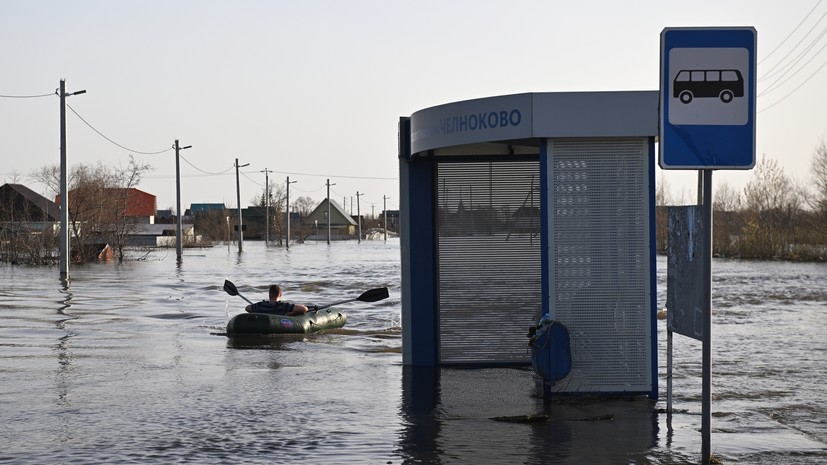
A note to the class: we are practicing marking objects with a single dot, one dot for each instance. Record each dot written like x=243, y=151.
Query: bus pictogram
x=724, y=84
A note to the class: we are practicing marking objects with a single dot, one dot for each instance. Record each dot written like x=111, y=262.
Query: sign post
x=707, y=122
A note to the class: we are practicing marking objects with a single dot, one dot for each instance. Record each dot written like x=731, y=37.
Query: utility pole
x=266, y=207
x=238, y=202
x=359, y=216
x=385, y=207
x=287, y=207
x=328, y=210
x=64, y=191
x=179, y=243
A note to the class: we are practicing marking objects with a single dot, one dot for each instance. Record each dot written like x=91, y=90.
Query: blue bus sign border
x=705, y=146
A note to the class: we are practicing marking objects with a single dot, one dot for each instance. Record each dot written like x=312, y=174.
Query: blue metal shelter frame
x=532, y=119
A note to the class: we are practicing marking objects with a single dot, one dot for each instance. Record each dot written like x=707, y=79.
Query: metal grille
x=599, y=261
x=488, y=259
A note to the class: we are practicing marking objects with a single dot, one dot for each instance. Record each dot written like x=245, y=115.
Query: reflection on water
x=129, y=363
x=455, y=416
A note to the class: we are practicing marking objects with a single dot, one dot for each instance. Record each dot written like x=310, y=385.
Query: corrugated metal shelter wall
x=488, y=255
x=599, y=261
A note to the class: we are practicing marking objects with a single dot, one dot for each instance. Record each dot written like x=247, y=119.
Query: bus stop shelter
x=522, y=205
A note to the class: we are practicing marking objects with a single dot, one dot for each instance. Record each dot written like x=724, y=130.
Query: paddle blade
x=373, y=295
x=230, y=288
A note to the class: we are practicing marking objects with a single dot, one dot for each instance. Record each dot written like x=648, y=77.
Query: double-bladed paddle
x=371, y=295
x=230, y=288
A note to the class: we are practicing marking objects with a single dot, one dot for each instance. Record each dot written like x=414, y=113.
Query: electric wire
x=794, y=90
x=205, y=172
x=251, y=179
x=784, y=67
x=790, y=34
x=26, y=96
x=776, y=84
x=772, y=71
x=112, y=141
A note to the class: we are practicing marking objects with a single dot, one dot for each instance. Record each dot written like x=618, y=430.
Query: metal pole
x=266, y=208
x=64, y=194
x=359, y=215
x=238, y=202
x=328, y=211
x=385, y=207
x=287, y=208
x=179, y=241
x=706, y=388
x=178, y=215
x=64, y=182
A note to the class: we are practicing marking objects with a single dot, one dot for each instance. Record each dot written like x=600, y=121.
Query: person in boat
x=277, y=306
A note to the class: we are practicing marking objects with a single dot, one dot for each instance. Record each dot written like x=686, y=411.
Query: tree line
x=99, y=205
x=97, y=215
x=772, y=218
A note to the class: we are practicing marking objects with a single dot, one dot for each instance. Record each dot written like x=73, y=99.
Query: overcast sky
x=313, y=90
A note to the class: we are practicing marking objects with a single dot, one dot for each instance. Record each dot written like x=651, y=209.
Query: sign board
x=707, y=98
x=684, y=271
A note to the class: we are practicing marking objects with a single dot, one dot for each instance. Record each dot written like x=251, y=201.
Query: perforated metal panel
x=599, y=261
x=488, y=259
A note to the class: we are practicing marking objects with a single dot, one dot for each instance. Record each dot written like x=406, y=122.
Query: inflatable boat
x=266, y=323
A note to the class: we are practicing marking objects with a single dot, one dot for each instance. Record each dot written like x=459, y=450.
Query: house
x=27, y=209
x=165, y=216
x=199, y=209
x=342, y=226
x=392, y=217
x=160, y=235
x=138, y=205
x=19, y=203
x=140, y=209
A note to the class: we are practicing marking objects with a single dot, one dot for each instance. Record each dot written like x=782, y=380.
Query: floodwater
x=129, y=365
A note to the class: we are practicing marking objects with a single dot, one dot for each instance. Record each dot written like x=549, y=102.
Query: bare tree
x=727, y=225
x=277, y=195
x=818, y=167
x=98, y=204
x=304, y=205
x=123, y=225
x=773, y=204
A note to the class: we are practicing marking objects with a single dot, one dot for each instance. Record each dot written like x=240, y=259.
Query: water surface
x=128, y=365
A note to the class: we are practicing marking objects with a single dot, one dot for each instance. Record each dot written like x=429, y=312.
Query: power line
x=794, y=67
x=207, y=172
x=791, y=33
x=794, y=90
x=336, y=176
x=776, y=84
x=251, y=180
x=772, y=71
x=112, y=141
x=27, y=96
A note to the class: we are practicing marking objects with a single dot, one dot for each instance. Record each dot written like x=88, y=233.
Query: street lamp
x=238, y=201
x=64, y=194
x=287, y=207
x=178, y=238
x=266, y=206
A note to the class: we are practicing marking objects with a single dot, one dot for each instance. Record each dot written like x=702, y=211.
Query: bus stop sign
x=707, y=98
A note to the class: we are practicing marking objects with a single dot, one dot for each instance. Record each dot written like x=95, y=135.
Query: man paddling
x=276, y=305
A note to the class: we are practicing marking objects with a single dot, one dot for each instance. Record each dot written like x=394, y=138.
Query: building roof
x=138, y=202
x=200, y=207
x=49, y=209
x=158, y=229
x=337, y=214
